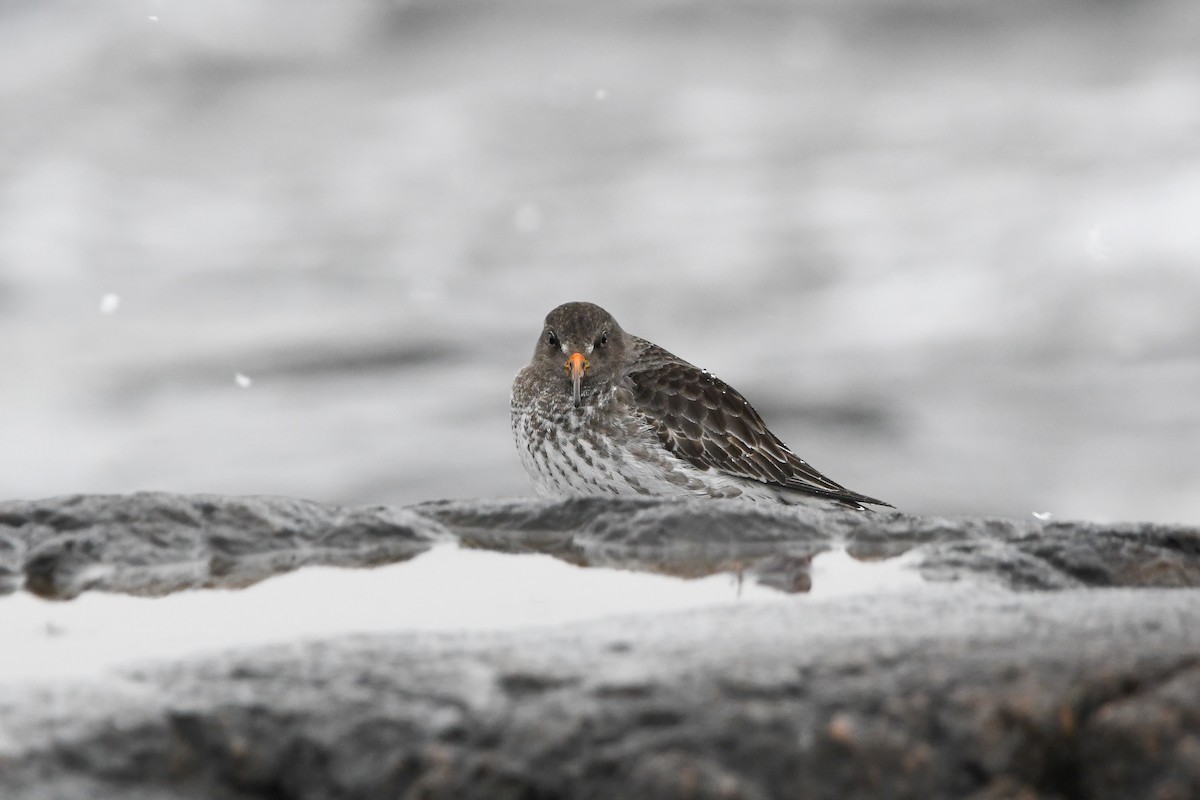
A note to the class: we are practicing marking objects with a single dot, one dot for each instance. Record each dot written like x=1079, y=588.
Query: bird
x=598, y=411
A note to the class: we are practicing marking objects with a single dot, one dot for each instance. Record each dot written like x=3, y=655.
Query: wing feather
x=710, y=424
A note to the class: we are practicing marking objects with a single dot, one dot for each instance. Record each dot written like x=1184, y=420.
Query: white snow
x=835, y=573
x=444, y=589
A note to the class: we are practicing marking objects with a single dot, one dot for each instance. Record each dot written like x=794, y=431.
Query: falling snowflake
x=242, y=380
x=1042, y=515
x=110, y=303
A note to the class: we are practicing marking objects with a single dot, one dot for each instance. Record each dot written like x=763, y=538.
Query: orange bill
x=577, y=366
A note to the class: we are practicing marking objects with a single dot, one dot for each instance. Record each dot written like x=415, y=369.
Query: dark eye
x=551, y=339
x=603, y=340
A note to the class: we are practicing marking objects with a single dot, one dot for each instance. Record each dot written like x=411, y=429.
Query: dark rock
x=786, y=573
x=154, y=543
x=948, y=694
x=1157, y=729
x=12, y=562
x=963, y=689
x=694, y=539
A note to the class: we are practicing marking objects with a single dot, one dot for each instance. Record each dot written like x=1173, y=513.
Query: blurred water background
x=949, y=248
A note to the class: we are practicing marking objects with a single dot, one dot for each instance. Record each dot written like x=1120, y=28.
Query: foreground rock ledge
x=155, y=543
x=965, y=690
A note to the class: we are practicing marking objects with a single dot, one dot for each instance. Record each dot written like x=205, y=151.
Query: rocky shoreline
x=1046, y=660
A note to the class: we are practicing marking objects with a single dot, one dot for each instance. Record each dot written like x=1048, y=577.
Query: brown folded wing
x=703, y=420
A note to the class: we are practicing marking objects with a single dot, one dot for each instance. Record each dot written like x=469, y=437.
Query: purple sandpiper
x=599, y=411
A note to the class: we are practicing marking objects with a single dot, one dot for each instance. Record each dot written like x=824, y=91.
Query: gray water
x=951, y=251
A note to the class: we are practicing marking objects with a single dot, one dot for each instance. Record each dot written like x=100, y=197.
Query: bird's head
x=581, y=346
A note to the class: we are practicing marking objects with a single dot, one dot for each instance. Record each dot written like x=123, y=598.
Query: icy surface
x=445, y=589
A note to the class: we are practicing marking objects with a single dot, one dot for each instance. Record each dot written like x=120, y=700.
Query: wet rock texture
x=1083, y=683
x=153, y=544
